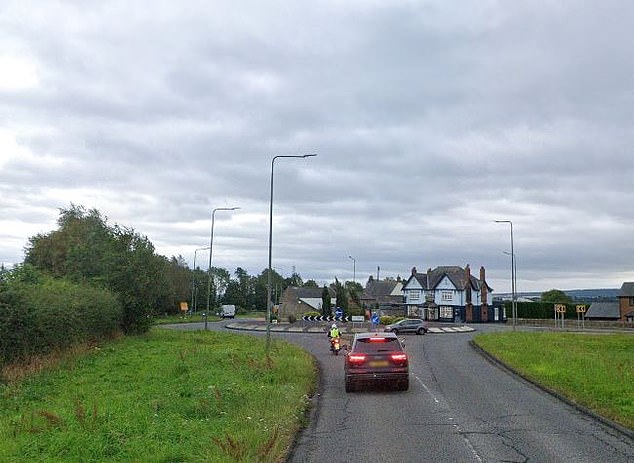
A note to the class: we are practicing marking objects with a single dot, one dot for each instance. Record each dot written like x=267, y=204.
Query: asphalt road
x=459, y=408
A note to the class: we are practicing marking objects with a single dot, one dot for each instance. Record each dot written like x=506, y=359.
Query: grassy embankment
x=595, y=371
x=162, y=397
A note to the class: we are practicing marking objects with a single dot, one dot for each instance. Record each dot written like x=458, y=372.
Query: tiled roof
x=308, y=293
x=456, y=274
x=603, y=310
x=377, y=288
x=627, y=290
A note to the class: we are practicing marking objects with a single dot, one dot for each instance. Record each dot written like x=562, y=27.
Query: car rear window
x=376, y=345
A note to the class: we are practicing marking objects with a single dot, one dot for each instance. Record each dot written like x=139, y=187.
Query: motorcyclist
x=334, y=332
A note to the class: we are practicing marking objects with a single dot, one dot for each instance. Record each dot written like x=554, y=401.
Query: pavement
x=345, y=328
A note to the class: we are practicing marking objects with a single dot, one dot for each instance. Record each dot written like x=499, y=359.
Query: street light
x=268, y=284
x=513, y=303
x=211, y=248
x=194, y=278
x=354, y=269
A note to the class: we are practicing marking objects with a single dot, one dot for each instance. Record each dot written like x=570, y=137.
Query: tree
x=86, y=249
x=355, y=290
x=341, y=295
x=556, y=296
x=326, y=305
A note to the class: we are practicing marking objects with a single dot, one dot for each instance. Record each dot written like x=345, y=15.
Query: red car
x=376, y=359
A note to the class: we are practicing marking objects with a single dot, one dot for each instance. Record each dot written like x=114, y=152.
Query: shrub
x=292, y=318
x=38, y=315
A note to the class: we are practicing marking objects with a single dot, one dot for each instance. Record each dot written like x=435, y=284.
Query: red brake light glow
x=377, y=339
x=399, y=357
x=356, y=358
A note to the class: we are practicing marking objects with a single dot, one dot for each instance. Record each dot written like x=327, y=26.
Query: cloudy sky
x=431, y=119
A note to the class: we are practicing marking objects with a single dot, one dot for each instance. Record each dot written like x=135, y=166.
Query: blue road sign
x=339, y=312
x=375, y=319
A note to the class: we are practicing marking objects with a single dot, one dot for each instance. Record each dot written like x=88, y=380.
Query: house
x=299, y=300
x=626, y=302
x=451, y=293
x=386, y=296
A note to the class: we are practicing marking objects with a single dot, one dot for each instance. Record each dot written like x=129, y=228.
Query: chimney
x=413, y=270
x=483, y=285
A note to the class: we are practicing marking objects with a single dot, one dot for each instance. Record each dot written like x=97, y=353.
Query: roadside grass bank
x=164, y=396
x=592, y=370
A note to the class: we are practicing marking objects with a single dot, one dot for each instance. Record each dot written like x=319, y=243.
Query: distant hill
x=602, y=294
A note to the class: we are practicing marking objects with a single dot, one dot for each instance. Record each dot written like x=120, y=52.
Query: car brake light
x=399, y=357
x=377, y=339
x=356, y=358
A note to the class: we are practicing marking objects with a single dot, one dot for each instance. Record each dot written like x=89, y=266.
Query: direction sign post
x=375, y=321
x=560, y=313
x=581, y=316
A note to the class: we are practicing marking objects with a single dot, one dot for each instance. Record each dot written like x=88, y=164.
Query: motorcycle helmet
x=334, y=325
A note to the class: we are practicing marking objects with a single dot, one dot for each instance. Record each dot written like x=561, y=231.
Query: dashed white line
x=427, y=389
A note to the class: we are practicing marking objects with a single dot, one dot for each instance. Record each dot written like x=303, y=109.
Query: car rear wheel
x=350, y=387
x=403, y=385
x=420, y=331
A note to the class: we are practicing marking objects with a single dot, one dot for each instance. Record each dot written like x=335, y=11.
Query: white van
x=228, y=311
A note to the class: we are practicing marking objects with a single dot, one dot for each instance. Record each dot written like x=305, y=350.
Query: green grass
x=163, y=397
x=193, y=318
x=596, y=371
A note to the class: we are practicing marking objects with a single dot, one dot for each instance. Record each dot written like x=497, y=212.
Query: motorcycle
x=335, y=345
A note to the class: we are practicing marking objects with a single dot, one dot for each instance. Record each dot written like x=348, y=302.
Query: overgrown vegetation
x=163, y=396
x=596, y=371
x=39, y=313
x=85, y=248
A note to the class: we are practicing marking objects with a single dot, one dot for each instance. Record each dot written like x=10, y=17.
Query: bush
x=38, y=315
x=292, y=318
x=388, y=319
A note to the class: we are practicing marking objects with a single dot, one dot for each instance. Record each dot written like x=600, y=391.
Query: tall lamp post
x=194, y=279
x=268, y=283
x=211, y=248
x=513, y=303
x=354, y=269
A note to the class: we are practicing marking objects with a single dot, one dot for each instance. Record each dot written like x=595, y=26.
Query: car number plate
x=379, y=363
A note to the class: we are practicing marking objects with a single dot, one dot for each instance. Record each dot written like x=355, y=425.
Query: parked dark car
x=408, y=325
x=376, y=359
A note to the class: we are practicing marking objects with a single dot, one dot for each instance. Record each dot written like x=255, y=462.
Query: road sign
x=183, y=307
x=339, y=312
x=375, y=318
x=560, y=308
x=581, y=308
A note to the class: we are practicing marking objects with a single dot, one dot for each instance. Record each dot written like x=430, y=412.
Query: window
x=446, y=296
x=446, y=312
x=414, y=294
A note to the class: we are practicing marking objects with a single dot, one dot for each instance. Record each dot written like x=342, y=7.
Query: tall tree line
x=86, y=248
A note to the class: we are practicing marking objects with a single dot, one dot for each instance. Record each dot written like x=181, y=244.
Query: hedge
x=540, y=310
x=40, y=314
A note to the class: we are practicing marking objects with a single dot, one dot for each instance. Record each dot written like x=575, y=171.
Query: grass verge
x=595, y=371
x=162, y=397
